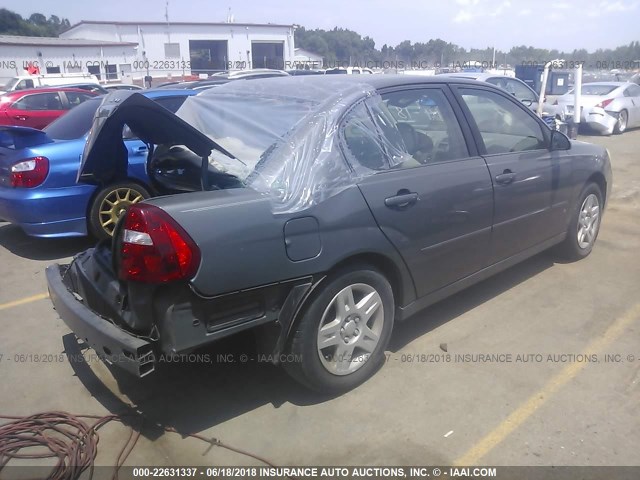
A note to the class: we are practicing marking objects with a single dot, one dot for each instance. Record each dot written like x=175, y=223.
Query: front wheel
x=341, y=338
x=584, y=226
x=109, y=205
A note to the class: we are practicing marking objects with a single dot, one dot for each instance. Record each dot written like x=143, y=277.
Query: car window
x=423, y=121
x=520, y=91
x=403, y=129
x=74, y=124
x=39, y=101
x=514, y=87
x=597, y=89
x=632, y=91
x=362, y=142
x=76, y=98
x=503, y=125
x=171, y=103
x=24, y=84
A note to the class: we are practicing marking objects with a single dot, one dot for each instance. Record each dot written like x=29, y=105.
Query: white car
x=24, y=82
x=607, y=107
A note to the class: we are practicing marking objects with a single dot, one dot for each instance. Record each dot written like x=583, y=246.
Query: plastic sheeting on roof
x=285, y=140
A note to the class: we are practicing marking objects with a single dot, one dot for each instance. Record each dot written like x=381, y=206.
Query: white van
x=23, y=82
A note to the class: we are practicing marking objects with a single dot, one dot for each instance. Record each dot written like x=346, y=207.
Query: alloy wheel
x=350, y=329
x=622, y=121
x=115, y=204
x=588, y=221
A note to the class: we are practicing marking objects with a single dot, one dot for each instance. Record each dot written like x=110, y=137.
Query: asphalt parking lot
x=551, y=374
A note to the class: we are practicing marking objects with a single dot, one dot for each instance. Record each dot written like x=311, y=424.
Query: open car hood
x=105, y=156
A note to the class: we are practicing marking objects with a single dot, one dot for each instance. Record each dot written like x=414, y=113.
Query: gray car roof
x=319, y=88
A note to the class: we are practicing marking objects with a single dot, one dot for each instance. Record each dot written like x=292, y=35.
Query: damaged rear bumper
x=113, y=344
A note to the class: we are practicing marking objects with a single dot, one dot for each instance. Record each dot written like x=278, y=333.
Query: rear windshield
x=598, y=89
x=247, y=125
x=74, y=124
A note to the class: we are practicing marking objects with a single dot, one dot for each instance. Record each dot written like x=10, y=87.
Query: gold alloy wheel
x=114, y=205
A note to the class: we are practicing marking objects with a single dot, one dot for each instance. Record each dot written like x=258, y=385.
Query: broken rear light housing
x=154, y=248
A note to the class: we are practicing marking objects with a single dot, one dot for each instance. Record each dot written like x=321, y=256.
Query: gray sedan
x=318, y=211
x=606, y=107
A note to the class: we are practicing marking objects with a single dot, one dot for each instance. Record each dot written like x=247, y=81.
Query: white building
x=62, y=55
x=183, y=48
x=127, y=51
x=304, y=58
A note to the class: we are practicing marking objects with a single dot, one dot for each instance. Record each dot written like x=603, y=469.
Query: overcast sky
x=561, y=24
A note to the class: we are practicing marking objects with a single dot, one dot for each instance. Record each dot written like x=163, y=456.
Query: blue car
x=38, y=170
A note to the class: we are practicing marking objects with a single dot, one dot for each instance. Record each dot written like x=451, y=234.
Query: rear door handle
x=505, y=177
x=402, y=200
x=141, y=149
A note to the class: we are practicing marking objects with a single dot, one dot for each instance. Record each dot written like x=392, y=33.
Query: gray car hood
x=105, y=156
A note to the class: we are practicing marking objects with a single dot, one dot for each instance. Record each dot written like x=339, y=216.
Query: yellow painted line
x=535, y=401
x=22, y=301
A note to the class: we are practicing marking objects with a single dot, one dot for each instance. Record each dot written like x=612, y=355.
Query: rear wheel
x=109, y=205
x=340, y=341
x=584, y=226
x=621, y=124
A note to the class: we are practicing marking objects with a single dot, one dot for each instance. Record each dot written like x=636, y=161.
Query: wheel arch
x=599, y=179
x=384, y=265
x=400, y=285
x=99, y=188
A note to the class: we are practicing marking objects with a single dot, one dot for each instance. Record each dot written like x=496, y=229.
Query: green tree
x=37, y=25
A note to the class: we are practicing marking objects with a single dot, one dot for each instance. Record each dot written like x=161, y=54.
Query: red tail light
x=29, y=173
x=604, y=103
x=155, y=249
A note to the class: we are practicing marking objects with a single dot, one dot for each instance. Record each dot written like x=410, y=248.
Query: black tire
x=621, y=124
x=307, y=366
x=95, y=219
x=570, y=249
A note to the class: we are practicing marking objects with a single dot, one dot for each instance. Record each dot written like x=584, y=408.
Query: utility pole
x=166, y=17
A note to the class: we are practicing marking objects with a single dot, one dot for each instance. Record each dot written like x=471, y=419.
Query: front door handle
x=141, y=150
x=403, y=199
x=20, y=117
x=506, y=177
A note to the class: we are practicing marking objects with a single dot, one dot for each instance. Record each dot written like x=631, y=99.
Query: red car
x=38, y=107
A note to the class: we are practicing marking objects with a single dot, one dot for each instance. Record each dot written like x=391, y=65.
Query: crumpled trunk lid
x=105, y=158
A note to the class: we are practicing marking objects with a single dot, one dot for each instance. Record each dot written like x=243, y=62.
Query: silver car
x=606, y=107
x=514, y=86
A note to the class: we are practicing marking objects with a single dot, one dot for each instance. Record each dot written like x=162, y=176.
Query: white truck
x=23, y=82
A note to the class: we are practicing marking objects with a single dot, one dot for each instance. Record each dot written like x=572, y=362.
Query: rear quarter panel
x=243, y=242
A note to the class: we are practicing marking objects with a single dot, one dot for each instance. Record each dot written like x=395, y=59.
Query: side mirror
x=559, y=141
x=528, y=102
